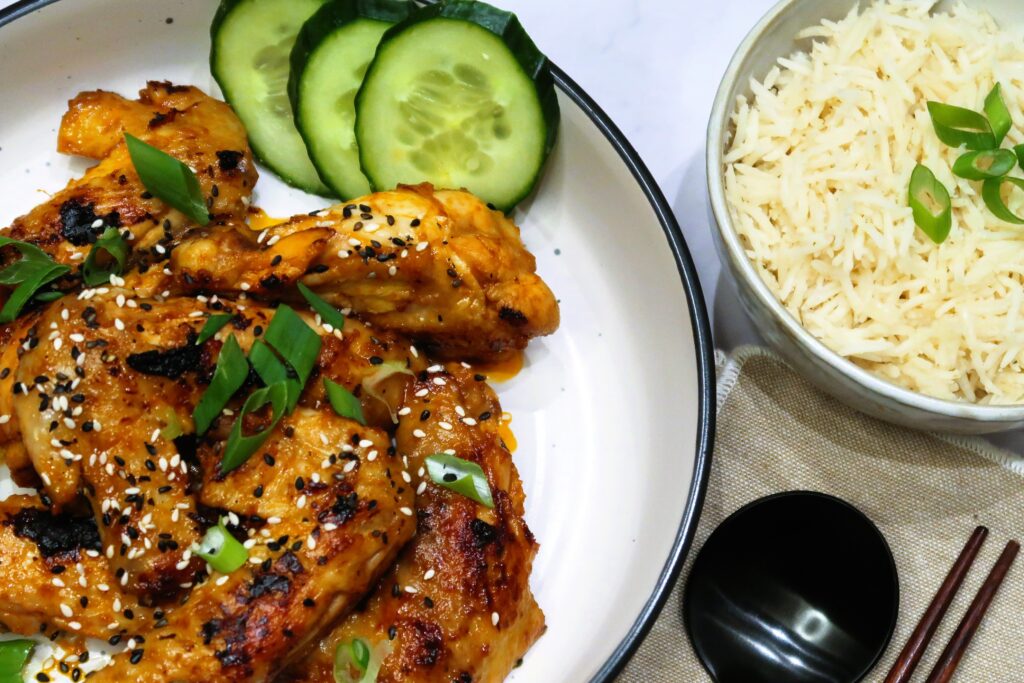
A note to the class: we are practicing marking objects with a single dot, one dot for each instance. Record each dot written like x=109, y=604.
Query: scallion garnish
x=344, y=401
x=240, y=447
x=168, y=178
x=1019, y=151
x=356, y=662
x=957, y=126
x=461, y=476
x=228, y=377
x=14, y=654
x=998, y=115
x=116, y=249
x=296, y=341
x=930, y=203
x=31, y=273
x=328, y=313
x=212, y=326
x=985, y=164
x=221, y=550
x=271, y=371
x=992, y=193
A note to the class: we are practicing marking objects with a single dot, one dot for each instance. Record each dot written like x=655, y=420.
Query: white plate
x=613, y=413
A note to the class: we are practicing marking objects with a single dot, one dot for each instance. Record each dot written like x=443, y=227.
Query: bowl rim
x=704, y=356
x=718, y=123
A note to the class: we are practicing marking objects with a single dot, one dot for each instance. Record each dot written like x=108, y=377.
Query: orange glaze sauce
x=505, y=432
x=502, y=370
x=258, y=219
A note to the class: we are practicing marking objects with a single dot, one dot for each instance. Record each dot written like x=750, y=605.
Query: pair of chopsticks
x=957, y=646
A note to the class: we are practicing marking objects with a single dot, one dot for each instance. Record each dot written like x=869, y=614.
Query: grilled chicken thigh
x=180, y=120
x=437, y=266
x=457, y=605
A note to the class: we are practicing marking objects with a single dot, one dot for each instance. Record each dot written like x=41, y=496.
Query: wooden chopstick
x=911, y=654
x=954, y=651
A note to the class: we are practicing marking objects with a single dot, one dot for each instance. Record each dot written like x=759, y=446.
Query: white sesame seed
x=406, y=478
x=421, y=246
x=439, y=381
x=429, y=575
x=421, y=488
x=460, y=411
x=65, y=610
x=365, y=443
x=447, y=426
x=405, y=511
x=4, y=419
x=422, y=392
x=273, y=240
x=405, y=411
x=98, y=223
x=195, y=314
x=262, y=236
x=119, y=300
x=244, y=286
x=343, y=253
x=310, y=542
x=419, y=433
x=273, y=520
x=392, y=271
x=414, y=352
x=495, y=617
x=118, y=324
x=435, y=368
x=301, y=503
x=330, y=526
x=74, y=626
x=411, y=590
x=57, y=582
x=372, y=455
x=469, y=421
x=221, y=580
x=349, y=466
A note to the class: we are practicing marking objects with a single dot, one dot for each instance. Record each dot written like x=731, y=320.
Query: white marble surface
x=654, y=66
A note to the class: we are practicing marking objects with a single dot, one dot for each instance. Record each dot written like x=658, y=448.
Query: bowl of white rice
x=819, y=122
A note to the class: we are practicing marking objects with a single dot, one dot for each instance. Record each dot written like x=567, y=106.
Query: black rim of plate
x=702, y=340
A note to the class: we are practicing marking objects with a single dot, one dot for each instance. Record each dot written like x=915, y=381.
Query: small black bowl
x=797, y=587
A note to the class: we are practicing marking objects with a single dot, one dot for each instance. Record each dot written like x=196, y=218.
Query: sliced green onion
x=998, y=115
x=296, y=341
x=116, y=248
x=168, y=178
x=31, y=273
x=355, y=662
x=221, y=550
x=462, y=476
x=328, y=313
x=985, y=164
x=371, y=384
x=14, y=654
x=930, y=203
x=239, y=447
x=46, y=297
x=992, y=193
x=230, y=374
x=344, y=401
x=1019, y=151
x=212, y=326
x=271, y=371
x=957, y=126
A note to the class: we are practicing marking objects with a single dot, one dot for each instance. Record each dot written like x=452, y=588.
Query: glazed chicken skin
x=457, y=605
x=346, y=533
x=180, y=120
x=437, y=266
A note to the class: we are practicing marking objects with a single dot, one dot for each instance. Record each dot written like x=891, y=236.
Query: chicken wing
x=437, y=266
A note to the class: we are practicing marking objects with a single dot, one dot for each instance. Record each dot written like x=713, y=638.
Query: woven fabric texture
x=925, y=492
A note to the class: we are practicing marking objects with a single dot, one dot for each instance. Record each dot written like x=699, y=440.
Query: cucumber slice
x=330, y=58
x=252, y=42
x=458, y=95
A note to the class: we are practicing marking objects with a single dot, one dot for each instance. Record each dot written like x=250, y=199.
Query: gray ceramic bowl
x=774, y=37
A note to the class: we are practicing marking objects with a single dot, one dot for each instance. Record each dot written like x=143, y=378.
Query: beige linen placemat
x=926, y=493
